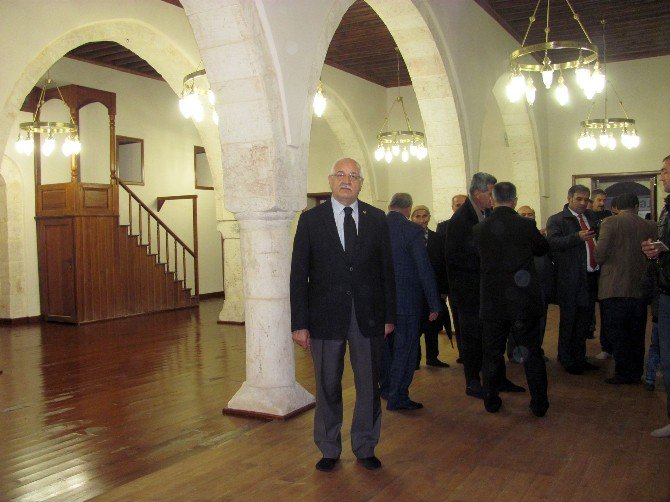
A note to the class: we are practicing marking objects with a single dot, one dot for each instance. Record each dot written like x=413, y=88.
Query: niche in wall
x=203, y=176
x=130, y=160
x=644, y=184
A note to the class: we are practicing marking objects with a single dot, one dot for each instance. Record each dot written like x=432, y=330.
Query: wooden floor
x=131, y=410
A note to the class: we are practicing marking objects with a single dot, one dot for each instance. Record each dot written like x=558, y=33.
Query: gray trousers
x=365, y=356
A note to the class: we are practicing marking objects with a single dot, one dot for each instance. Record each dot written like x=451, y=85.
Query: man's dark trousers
x=402, y=348
x=527, y=334
x=625, y=322
x=573, y=328
x=471, y=343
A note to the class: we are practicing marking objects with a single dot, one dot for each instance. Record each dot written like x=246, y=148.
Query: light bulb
x=379, y=153
x=548, y=76
x=319, y=103
x=635, y=138
x=67, y=147
x=598, y=80
x=562, y=93
x=184, y=107
x=589, y=89
x=626, y=139
x=197, y=111
x=48, y=146
x=583, y=141
x=405, y=155
x=210, y=97
x=395, y=150
x=19, y=144
x=611, y=142
x=582, y=75
x=422, y=152
x=413, y=150
x=388, y=156
x=215, y=117
x=76, y=146
x=603, y=138
x=530, y=91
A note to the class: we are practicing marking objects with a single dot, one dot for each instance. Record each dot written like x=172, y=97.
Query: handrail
x=168, y=232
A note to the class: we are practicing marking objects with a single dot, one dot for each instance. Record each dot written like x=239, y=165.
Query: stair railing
x=162, y=231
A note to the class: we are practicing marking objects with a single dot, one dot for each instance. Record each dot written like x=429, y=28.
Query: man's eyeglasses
x=340, y=175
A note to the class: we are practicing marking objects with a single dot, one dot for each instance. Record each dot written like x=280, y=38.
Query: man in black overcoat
x=511, y=296
x=343, y=292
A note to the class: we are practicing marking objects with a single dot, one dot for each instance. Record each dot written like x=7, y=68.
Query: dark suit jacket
x=510, y=286
x=324, y=282
x=435, y=247
x=569, y=252
x=414, y=276
x=442, y=227
x=462, y=258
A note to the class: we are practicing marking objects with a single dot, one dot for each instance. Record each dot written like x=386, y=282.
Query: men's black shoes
x=574, y=369
x=508, y=386
x=437, y=363
x=370, y=463
x=587, y=366
x=410, y=405
x=615, y=380
x=539, y=410
x=474, y=389
x=492, y=403
x=326, y=464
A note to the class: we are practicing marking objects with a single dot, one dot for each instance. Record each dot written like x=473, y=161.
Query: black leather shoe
x=437, y=363
x=459, y=361
x=411, y=405
x=474, y=389
x=651, y=387
x=620, y=381
x=539, y=410
x=587, y=366
x=370, y=463
x=574, y=369
x=508, y=386
x=326, y=464
x=492, y=404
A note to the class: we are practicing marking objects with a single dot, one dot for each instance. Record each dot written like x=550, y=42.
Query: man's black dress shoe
x=492, y=403
x=620, y=381
x=437, y=363
x=370, y=463
x=474, y=389
x=574, y=369
x=587, y=366
x=508, y=386
x=326, y=464
x=539, y=410
x=411, y=405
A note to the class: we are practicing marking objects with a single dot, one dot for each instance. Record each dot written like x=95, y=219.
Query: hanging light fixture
x=590, y=81
x=402, y=143
x=192, y=94
x=27, y=130
x=319, y=103
x=604, y=128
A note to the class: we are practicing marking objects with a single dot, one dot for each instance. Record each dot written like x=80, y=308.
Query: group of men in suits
x=363, y=278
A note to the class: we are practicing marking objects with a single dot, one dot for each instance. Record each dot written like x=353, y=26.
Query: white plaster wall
x=495, y=157
x=146, y=109
x=642, y=84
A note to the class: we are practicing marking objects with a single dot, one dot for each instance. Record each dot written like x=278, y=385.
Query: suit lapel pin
x=365, y=212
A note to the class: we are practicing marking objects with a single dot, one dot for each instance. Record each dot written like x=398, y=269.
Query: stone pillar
x=270, y=388
x=233, y=305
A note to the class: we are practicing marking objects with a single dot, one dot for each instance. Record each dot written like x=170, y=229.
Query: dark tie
x=349, y=231
x=589, y=244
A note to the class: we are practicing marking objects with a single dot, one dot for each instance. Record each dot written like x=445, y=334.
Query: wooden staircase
x=92, y=268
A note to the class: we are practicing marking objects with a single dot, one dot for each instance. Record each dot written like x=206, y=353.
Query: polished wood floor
x=131, y=410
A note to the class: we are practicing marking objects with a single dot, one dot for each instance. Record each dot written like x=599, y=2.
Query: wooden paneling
x=57, y=269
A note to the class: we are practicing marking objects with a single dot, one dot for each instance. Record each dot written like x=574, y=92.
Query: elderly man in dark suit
x=343, y=291
x=431, y=329
x=414, y=281
x=622, y=267
x=463, y=272
x=571, y=235
x=511, y=296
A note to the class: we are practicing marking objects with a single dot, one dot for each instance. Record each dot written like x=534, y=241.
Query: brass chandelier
x=582, y=56
x=402, y=143
x=192, y=94
x=25, y=143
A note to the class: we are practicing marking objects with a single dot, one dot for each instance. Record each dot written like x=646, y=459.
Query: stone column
x=270, y=387
x=233, y=305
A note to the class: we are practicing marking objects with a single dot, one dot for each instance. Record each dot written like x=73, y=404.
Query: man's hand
x=586, y=235
x=388, y=329
x=650, y=250
x=543, y=231
x=432, y=316
x=301, y=337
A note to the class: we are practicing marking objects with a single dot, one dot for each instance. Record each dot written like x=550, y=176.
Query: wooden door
x=57, y=275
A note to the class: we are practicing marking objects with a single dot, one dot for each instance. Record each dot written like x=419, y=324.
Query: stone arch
x=348, y=133
x=12, y=267
x=521, y=137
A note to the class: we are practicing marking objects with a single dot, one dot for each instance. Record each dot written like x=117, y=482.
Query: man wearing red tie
x=571, y=235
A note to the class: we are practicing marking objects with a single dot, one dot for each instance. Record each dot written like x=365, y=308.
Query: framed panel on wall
x=203, y=176
x=314, y=199
x=644, y=184
x=130, y=160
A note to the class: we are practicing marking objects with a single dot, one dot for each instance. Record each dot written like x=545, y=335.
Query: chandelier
x=401, y=143
x=27, y=130
x=604, y=128
x=194, y=89
x=580, y=55
x=319, y=103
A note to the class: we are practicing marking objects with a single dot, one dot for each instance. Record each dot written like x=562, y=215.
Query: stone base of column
x=232, y=312
x=269, y=403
